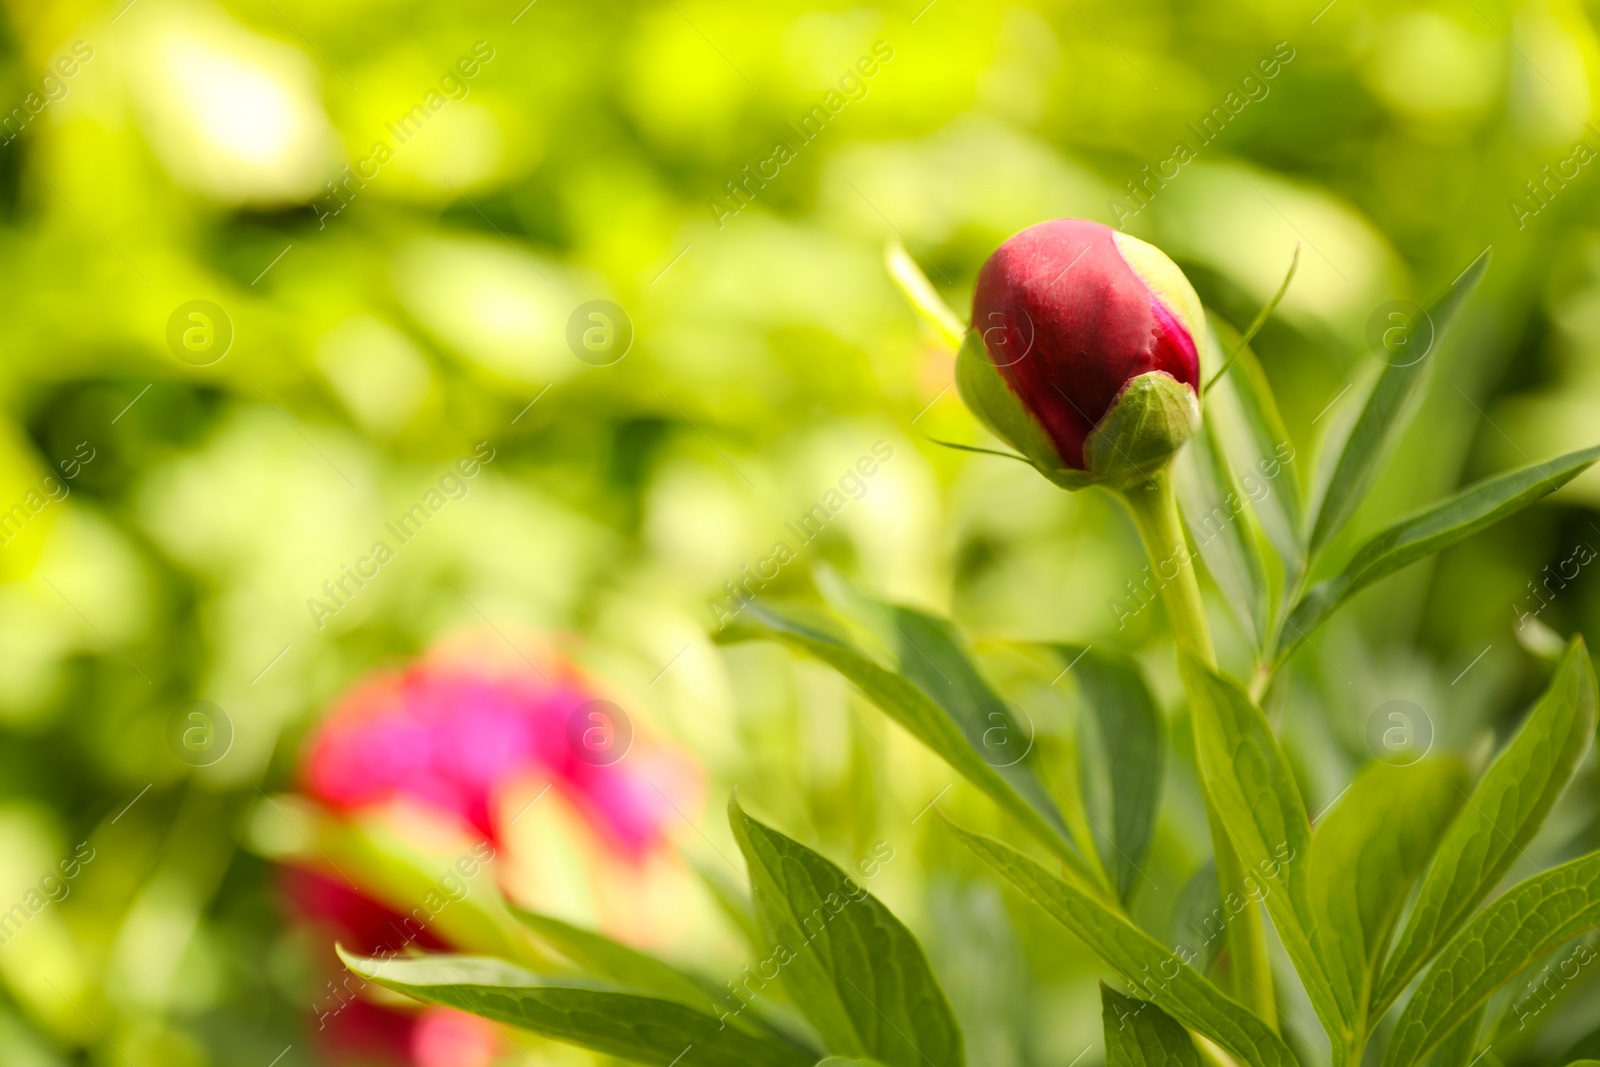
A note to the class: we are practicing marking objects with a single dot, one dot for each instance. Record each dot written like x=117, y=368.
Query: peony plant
x=1089, y=354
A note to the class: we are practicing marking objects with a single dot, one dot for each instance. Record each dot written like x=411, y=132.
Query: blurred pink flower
x=452, y=739
x=453, y=734
x=443, y=1037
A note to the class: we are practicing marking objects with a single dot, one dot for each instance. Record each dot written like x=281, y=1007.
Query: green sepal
x=1148, y=424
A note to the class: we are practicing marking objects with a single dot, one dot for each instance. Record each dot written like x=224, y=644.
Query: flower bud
x=1083, y=353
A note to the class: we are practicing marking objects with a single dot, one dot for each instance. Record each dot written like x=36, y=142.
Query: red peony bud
x=1083, y=352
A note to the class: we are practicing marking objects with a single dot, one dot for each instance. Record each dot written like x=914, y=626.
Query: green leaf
x=937, y=696
x=1139, y=1034
x=921, y=295
x=1457, y=1049
x=1528, y=920
x=1255, y=793
x=1505, y=810
x=1383, y=415
x=601, y=957
x=850, y=966
x=1367, y=854
x=604, y=958
x=1259, y=441
x=842, y=1061
x=604, y=1018
x=1260, y=320
x=1430, y=530
x=1160, y=975
x=1129, y=749
x=1217, y=513
x=1199, y=920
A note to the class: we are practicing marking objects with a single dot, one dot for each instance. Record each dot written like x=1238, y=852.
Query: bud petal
x=987, y=394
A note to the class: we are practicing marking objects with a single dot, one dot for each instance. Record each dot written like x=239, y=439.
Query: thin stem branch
x=1155, y=510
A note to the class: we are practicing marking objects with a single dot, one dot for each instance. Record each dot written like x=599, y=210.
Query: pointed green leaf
x=1258, y=442
x=1505, y=810
x=1255, y=794
x=1217, y=513
x=1528, y=920
x=1129, y=748
x=937, y=696
x=1381, y=419
x=1160, y=975
x=604, y=1018
x=921, y=295
x=601, y=957
x=1238, y=343
x=1367, y=853
x=1139, y=1034
x=1430, y=530
x=851, y=967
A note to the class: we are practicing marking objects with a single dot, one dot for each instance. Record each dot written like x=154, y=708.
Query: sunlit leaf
x=1255, y=793
x=1430, y=530
x=605, y=1018
x=1383, y=415
x=936, y=694
x=1366, y=855
x=854, y=970
x=601, y=957
x=1159, y=974
x=1521, y=925
x=1505, y=810
x=1258, y=441
x=922, y=297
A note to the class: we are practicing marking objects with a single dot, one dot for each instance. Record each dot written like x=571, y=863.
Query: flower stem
x=1155, y=510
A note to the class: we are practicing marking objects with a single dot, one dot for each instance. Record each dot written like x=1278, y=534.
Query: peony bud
x=1083, y=353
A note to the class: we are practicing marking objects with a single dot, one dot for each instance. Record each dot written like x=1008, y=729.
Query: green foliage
x=1432, y=530
x=1398, y=841
x=611, y=1019
x=1521, y=925
x=1366, y=855
x=952, y=711
x=603, y=957
x=1139, y=1034
x=1125, y=740
x=1505, y=810
x=1161, y=975
x=1383, y=414
x=1256, y=795
x=381, y=331
x=1225, y=532
x=853, y=969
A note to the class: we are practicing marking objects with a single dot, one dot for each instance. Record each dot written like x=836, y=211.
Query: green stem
x=1155, y=510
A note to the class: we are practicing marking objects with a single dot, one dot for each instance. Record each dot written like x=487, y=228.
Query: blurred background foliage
x=385, y=325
